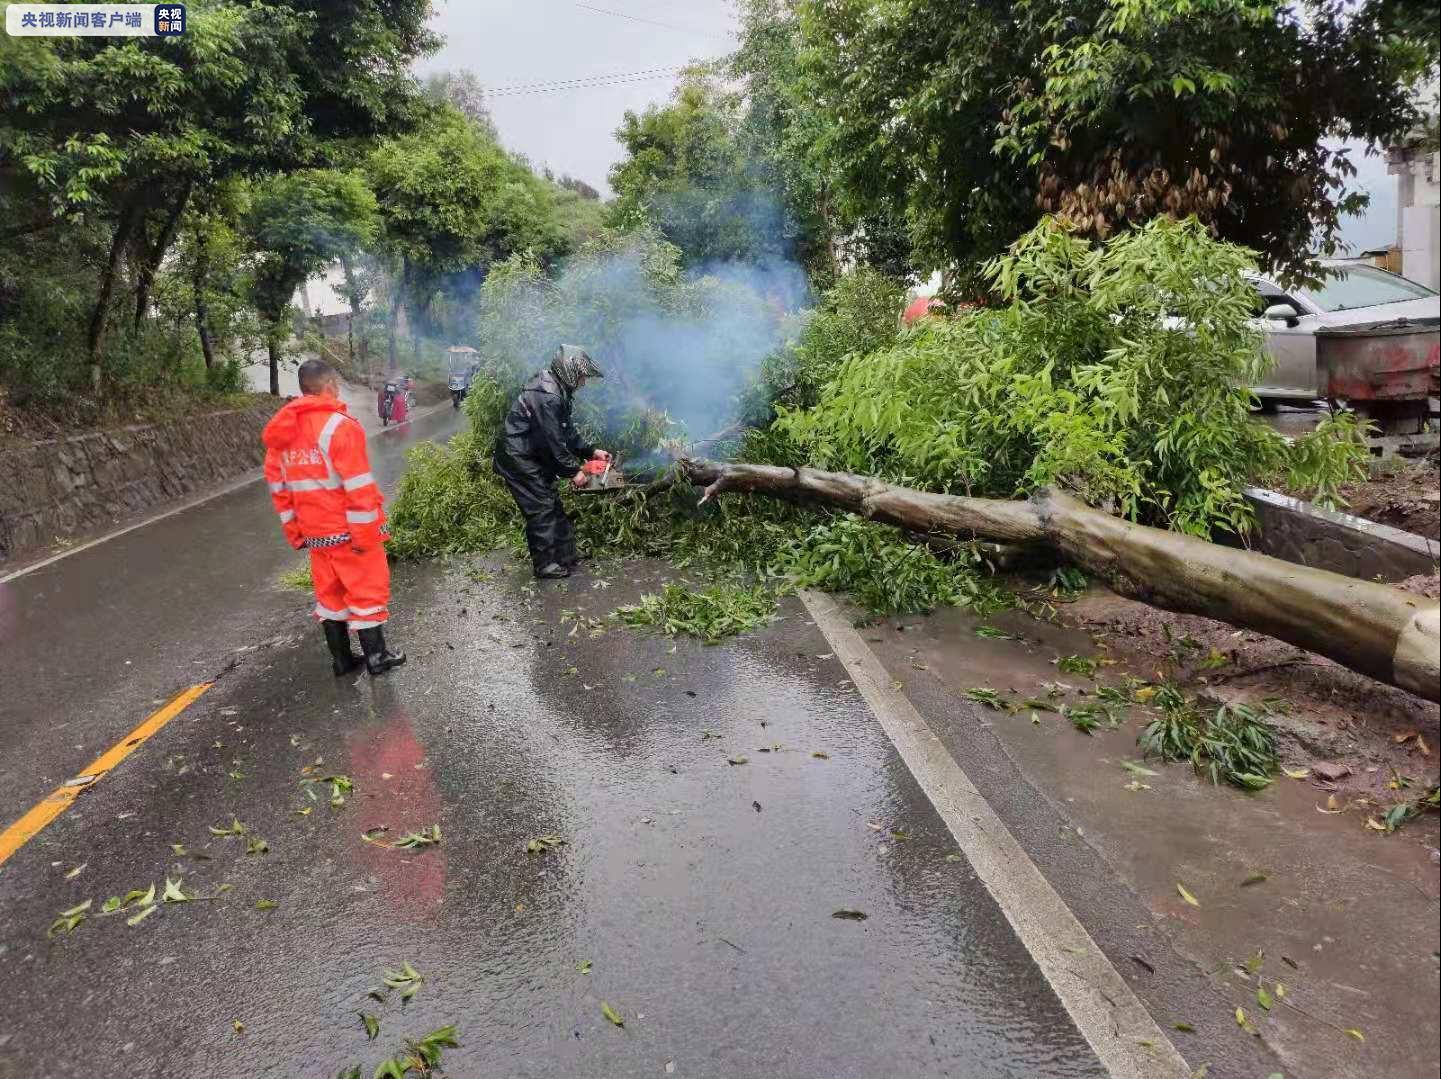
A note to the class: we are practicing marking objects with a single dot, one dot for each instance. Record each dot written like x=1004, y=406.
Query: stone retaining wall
x=1304, y=532
x=71, y=486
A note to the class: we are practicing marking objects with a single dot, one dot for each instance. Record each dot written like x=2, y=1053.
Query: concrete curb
x=1107, y=1012
x=1305, y=533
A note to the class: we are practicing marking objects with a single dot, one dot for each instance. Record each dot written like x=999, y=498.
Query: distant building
x=1417, y=168
x=322, y=300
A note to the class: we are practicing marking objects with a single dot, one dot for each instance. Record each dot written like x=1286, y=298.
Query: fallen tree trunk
x=1371, y=628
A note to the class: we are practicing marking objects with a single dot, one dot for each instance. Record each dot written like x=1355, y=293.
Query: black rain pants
x=548, y=531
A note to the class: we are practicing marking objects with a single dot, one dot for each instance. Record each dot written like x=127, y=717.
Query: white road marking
x=244, y=481
x=1108, y=1014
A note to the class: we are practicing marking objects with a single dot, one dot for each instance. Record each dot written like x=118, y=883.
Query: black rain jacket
x=538, y=429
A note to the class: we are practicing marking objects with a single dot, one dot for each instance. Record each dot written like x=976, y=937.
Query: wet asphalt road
x=693, y=895
x=93, y=643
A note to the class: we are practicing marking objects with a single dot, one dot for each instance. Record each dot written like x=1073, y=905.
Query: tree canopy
x=966, y=122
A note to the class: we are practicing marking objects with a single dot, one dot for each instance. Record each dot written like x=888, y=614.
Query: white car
x=1354, y=294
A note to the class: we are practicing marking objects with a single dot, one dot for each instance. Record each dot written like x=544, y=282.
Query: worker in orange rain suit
x=329, y=504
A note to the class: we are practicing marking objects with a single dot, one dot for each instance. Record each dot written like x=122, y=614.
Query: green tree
x=1115, y=371
x=905, y=109
x=207, y=281
x=453, y=202
x=297, y=225
x=969, y=120
x=119, y=133
x=1223, y=110
x=779, y=129
x=687, y=173
x=462, y=91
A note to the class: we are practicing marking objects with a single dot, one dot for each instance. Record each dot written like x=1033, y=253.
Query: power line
x=598, y=76
x=587, y=82
x=649, y=22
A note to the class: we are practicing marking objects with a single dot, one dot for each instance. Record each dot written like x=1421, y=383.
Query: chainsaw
x=601, y=477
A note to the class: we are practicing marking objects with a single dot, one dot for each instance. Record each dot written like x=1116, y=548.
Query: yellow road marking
x=61, y=798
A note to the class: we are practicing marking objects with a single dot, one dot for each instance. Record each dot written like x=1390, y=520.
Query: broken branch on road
x=1370, y=628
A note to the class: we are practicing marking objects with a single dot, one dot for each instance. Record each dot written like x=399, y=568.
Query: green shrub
x=1118, y=372
x=450, y=501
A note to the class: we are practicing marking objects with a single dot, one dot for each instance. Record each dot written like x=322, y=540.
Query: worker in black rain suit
x=538, y=445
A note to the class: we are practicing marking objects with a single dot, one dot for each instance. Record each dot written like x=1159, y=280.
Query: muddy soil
x=1380, y=742
x=1399, y=493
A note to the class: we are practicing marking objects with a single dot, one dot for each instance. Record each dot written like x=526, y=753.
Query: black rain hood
x=570, y=364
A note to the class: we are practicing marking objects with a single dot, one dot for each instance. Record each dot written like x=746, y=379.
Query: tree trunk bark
x=352, y=295
x=395, y=302
x=272, y=345
x=150, y=264
x=95, y=338
x=199, y=282
x=1371, y=628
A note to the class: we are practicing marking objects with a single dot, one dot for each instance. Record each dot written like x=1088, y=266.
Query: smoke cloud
x=684, y=342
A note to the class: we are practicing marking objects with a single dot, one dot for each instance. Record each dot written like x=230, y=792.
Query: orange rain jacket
x=319, y=476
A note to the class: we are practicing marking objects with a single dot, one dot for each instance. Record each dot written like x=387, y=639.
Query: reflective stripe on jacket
x=319, y=474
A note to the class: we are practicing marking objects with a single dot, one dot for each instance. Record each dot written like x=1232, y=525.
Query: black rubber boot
x=552, y=571
x=337, y=636
x=378, y=659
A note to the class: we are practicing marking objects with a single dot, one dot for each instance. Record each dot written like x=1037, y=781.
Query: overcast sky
x=522, y=43
x=514, y=44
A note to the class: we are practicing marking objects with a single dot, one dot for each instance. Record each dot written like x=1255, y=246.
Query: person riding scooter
x=393, y=401
x=538, y=445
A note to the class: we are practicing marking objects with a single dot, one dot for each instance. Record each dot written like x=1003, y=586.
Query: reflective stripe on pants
x=351, y=586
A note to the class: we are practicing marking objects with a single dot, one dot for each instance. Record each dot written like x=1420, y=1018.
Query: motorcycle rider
x=538, y=445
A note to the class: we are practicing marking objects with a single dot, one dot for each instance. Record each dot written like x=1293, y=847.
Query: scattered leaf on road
x=174, y=892
x=542, y=843
x=68, y=920
x=76, y=871
x=1352, y=1032
x=372, y=1025
x=257, y=846
x=611, y=1014
x=144, y=913
x=848, y=915
x=583, y=967
x=266, y=904
x=407, y=980
x=1264, y=998
x=1184, y=1028
x=988, y=697
x=426, y=837
x=738, y=759
x=1138, y=769
x=1295, y=773
x=1187, y=896
x=1254, y=878
x=818, y=755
